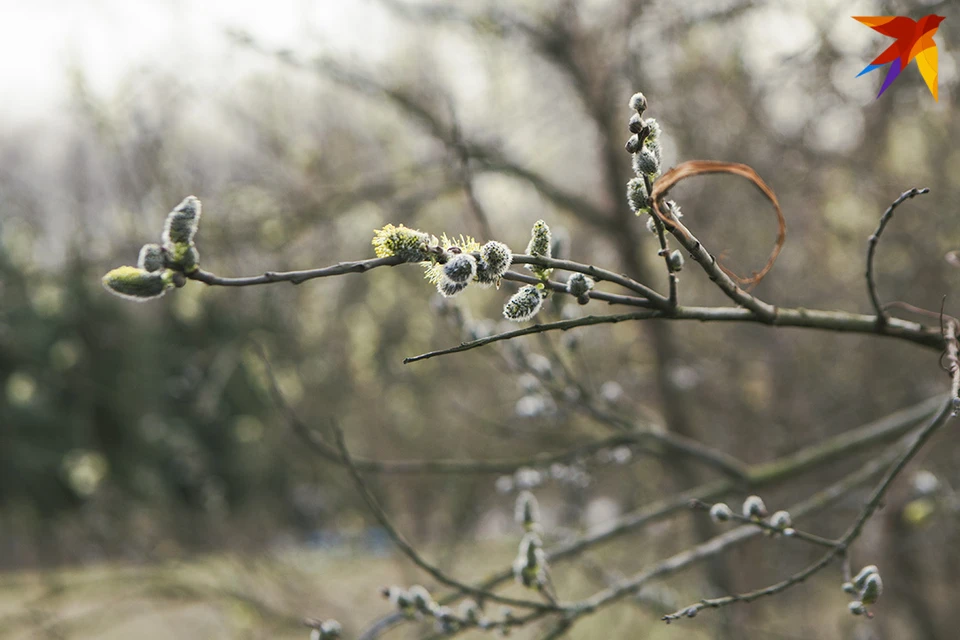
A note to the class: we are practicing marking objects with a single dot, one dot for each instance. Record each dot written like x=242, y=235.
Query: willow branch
x=807, y=318
x=761, y=476
x=849, y=537
x=412, y=553
x=882, y=315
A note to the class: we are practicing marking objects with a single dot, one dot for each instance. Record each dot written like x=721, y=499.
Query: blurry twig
x=882, y=316
x=813, y=319
x=853, y=532
x=314, y=440
x=763, y=475
x=412, y=553
x=812, y=538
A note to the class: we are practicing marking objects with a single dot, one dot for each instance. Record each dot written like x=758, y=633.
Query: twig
x=296, y=277
x=953, y=362
x=811, y=319
x=812, y=538
x=819, y=501
x=811, y=458
x=723, y=278
x=664, y=246
x=593, y=294
x=848, y=538
x=412, y=553
x=882, y=316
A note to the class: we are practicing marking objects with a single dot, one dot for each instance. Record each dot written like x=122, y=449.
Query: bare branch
x=412, y=553
x=872, y=504
x=882, y=315
x=807, y=318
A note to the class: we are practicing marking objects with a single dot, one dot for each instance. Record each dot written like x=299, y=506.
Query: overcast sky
x=40, y=39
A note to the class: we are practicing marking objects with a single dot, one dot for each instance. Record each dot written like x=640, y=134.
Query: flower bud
x=527, y=511
x=137, y=284
x=637, y=196
x=646, y=163
x=848, y=588
x=330, y=630
x=448, y=288
x=528, y=568
x=861, y=578
x=754, y=508
x=495, y=259
x=872, y=588
x=184, y=256
x=578, y=284
x=633, y=144
x=856, y=608
x=654, y=135
x=460, y=268
x=676, y=260
x=636, y=123
x=421, y=598
x=181, y=224
x=524, y=304
x=652, y=225
x=151, y=257
x=638, y=102
x=540, y=245
x=780, y=520
x=409, y=244
x=720, y=512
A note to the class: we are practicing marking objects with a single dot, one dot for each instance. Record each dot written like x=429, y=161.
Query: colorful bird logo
x=914, y=40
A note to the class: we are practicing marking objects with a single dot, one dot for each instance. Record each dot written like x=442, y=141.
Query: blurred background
x=149, y=483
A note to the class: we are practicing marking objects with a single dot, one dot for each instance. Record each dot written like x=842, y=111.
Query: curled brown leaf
x=700, y=167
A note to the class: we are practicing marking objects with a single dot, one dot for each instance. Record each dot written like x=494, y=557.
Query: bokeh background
x=149, y=484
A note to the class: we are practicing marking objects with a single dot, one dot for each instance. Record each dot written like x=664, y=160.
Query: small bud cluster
x=326, y=630
x=540, y=246
x=161, y=266
x=645, y=147
x=579, y=286
x=867, y=587
x=755, y=511
x=416, y=603
x=452, y=263
x=410, y=244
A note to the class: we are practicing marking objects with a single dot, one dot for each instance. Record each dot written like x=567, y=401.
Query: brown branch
x=720, y=275
x=412, y=553
x=825, y=320
x=872, y=504
x=882, y=315
x=763, y=475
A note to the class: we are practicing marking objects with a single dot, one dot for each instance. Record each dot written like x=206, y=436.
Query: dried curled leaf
x=700, y=167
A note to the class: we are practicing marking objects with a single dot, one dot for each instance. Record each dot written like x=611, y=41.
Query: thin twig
x=882, y=315
x=722, y=277
x=848, y=538
x=412, y=553
x=664, y=246
x=807, y=318
x=762, y=475
x=953, y=362
x=798, y=534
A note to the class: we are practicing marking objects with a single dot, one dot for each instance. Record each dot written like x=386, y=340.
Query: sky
x=40, y=39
